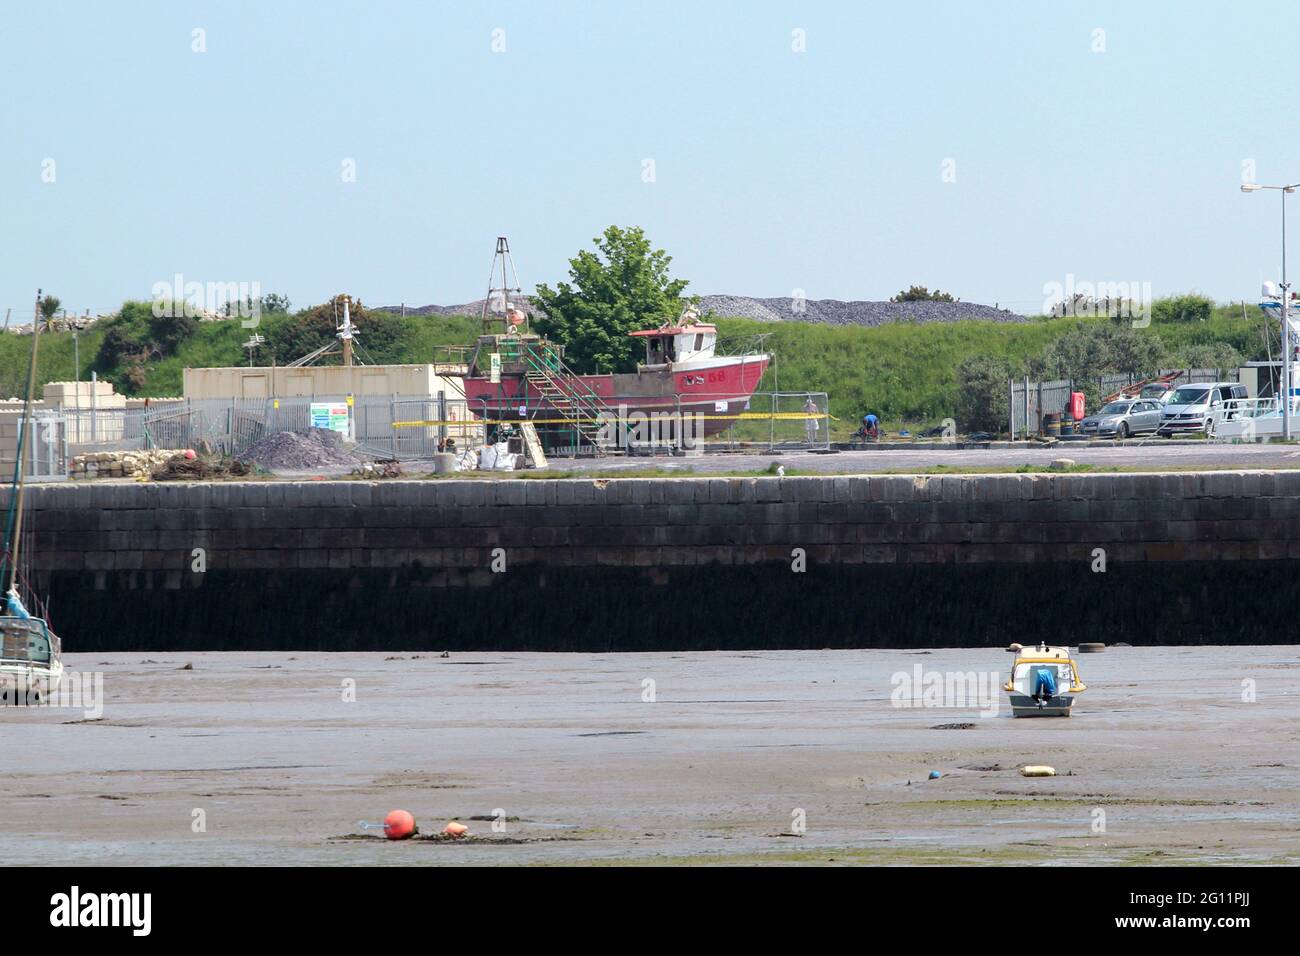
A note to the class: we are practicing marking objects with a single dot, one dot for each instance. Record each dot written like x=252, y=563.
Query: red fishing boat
x=516, y=375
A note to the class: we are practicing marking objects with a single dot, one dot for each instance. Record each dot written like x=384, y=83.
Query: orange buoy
x=454, y=829
x=399, y=825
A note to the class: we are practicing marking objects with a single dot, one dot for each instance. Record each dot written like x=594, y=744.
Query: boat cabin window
x=693, y=345
x=659, y=350
x=26, y=644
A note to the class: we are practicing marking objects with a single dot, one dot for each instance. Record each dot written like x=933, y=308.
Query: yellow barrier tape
x=762, y=416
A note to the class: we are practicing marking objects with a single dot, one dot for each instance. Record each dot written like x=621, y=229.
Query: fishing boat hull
x=713, y=393
x=28, y=685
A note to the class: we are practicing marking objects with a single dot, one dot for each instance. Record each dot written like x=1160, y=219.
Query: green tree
x=919, y=293
x=622, y=287
x=1220, y=355
x=1091, y=349
x=49, y=308
x=982, y=393
x=275, y=303
x=379, y=335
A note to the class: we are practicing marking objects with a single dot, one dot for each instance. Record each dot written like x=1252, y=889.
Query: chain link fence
x=409, y=429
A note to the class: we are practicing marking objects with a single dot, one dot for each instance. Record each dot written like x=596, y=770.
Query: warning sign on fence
x=330, y=415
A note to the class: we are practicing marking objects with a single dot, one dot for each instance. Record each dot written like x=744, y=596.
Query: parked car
x=1196, y=408
x=1122, y=418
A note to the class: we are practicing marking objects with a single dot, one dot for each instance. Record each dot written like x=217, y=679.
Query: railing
x=1246, y=408
x=1247, y=419
x=693, y=422
x=417, y=428
x=229, y=426
x=547, y=371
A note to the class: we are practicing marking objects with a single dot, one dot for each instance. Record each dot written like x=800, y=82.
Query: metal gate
x=1030, y=400
x=47, y=453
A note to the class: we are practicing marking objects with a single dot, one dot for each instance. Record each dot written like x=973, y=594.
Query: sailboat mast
x=22, y=443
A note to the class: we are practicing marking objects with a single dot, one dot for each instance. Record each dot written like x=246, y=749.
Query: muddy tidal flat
x=693, y=758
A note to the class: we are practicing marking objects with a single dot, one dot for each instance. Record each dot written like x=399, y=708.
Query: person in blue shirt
x=870, y=427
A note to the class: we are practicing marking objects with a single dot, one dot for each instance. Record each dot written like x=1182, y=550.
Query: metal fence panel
x=1029, y=401
x=416, y=428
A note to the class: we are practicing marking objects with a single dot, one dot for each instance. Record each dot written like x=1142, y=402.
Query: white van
x=1195, y=408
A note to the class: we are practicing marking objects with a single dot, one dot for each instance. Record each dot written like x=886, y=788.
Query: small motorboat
x=31, y=664
x=1043, y=682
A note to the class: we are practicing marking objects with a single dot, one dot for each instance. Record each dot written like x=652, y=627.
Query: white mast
x=345, y=333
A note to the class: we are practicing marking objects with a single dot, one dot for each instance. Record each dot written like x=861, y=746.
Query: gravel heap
x=835, y=312
x=826, y=311
x=288, y=451
x=474, y=308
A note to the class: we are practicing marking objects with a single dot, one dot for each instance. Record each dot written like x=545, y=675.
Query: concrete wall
x=637, y=563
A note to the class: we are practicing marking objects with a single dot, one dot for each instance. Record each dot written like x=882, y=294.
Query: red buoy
x=399, y=825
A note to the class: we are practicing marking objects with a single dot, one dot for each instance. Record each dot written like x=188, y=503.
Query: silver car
x=1122, y=418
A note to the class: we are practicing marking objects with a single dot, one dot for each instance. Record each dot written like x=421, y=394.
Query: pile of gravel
x=835, y=312
x=474, y=309
x=290, y=451
x=825, y=311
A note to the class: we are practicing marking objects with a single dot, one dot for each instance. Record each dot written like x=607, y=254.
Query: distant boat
x=31, y=662
x=1255, y=419
x=516, y=374
x=1044, y=681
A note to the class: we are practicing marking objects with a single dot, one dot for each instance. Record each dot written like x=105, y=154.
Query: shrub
x=1182, y=308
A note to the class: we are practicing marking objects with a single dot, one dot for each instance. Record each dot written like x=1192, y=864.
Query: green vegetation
x=628, y=290
x=144, y=355
x=909, y=374
x=919, y=293
x=913, y=374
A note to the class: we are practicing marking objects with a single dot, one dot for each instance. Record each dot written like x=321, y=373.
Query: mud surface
x=1162, y=752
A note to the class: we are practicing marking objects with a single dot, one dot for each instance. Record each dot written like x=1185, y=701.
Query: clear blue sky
x=775, y=170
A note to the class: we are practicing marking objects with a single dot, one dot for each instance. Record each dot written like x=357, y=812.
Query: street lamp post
x=1286, y=296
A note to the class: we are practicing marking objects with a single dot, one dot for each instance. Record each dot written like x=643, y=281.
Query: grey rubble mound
x=783, y=309
x=836, y=312
x=288, y=451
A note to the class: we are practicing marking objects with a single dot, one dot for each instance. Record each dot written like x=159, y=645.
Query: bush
x=919, y=293
x=135, y=336
x=1218, y=355
x=982, y=397
x=1182, y=308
